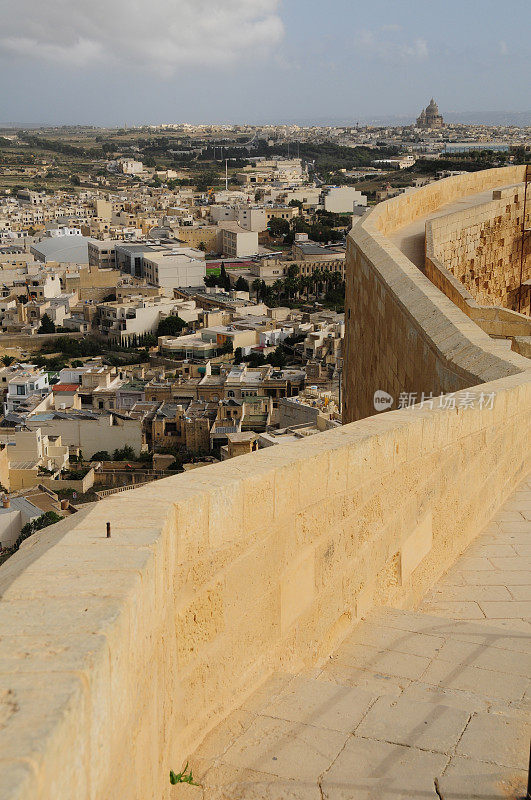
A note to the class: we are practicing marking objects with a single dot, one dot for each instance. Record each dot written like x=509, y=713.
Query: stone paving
x=424, y=705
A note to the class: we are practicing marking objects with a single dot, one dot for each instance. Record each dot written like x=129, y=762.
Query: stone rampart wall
x=481, y=248
x=118, y=654
x=403, y=335
x=492, y=319
x=30, y=343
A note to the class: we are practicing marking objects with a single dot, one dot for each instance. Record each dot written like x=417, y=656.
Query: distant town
x=173, y=295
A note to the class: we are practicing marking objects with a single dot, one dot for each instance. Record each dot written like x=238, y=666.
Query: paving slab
x=515, y=609
x=372, y=682
x=495, y=739
x=383, y=662
x=486, y=656
x=371, y=770
x=466, y=779
x=327, y=705
x=471, y=593
x=454, y=609
x=487, y=683
x=382, y=637
x=286, y=749
x=428, y=726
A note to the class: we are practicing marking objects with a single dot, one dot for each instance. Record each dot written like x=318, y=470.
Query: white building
x=237, y=242
x=122, y=321
x=131, y=167
x=64, y=231
x=24, y=385
x=171, y=270
x=343, y=199
x=14, y=514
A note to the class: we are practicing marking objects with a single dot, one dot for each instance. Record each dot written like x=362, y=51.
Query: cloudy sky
x=110, y=62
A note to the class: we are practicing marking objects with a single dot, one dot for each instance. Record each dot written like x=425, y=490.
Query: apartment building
x=102, y=253
x=342, y=199
x=238, y=242
x=26, y=384
x=122, y=321
x=257, y=218
x=169, y=270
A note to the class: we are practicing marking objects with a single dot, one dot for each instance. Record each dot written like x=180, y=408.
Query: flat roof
x=71, y=249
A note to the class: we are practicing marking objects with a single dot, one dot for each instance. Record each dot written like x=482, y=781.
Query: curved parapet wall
x=474, y=256
x=403, y=334
x=118, y=654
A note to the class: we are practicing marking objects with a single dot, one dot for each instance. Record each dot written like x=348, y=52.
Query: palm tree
x=318, y=281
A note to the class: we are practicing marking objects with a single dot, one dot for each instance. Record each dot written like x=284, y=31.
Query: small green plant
x=182, y=777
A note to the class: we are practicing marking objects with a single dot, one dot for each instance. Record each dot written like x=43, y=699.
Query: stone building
x=430, y=117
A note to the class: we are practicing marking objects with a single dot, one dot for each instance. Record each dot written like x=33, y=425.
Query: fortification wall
x=118, y=654
x=481, y=248
x=403, y=335
x=31, y=343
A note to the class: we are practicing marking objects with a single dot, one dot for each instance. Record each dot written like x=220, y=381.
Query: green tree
x=7, y=360
x=206, y=180
x=238, y=355
x=125, y=453
x=48, y=518
x=277, y=358
x=101, y=455
x=242, y=285
x=211, y=279
x=170, y=326
x=278, y=227
x=293, y=271
x=224, y=280
x=256, y=360
x=47, y=325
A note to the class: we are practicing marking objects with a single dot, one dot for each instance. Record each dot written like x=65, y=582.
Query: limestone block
x=297, y=588
x=226, y=513
x=43, y=719
x=416, y=547
x=287, y=484
x=200, y=622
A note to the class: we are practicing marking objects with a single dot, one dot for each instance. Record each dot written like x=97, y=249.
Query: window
x=21, y=390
